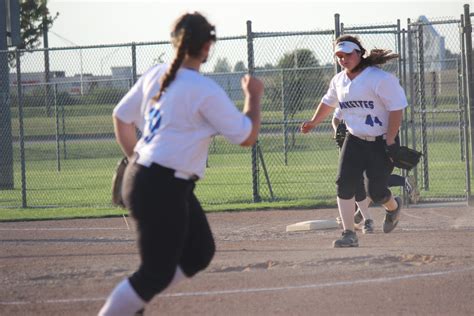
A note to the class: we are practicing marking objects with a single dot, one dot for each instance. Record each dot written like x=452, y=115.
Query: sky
x=88, y=22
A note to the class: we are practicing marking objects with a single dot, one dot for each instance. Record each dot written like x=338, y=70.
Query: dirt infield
x=424, y=267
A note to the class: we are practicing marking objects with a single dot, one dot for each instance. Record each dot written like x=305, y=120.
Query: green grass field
x=82, y=187
x=78, y=185
x=97, y=119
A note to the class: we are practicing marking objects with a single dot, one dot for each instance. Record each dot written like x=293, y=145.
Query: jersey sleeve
x=221, y=113
x=129, y=108
x=330, y=98
x=391, y=93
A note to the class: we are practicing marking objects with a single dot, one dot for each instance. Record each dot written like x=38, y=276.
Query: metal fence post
x=400, y=52
x=56, y=116
x=6, y=140
x=285, y=116
x=465, y=111
x=403, y=80
x=63, y=121
x=337, y=33
x=469, y=80
x=21, y=132
x=462, y=122
x=412, y=98
x=462, y=90
x=434, y=99
x=404, y=84
x=134, y=63
x=251, y=69
x=399, y=46
x=422, y=102
x=47, y=76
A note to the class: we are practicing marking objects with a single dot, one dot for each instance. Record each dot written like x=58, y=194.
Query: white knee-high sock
x=346, y=211
x=123, y=301
x=364, y=208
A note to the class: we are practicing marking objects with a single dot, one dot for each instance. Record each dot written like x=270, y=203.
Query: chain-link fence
x=438, y=121
x=58, y=147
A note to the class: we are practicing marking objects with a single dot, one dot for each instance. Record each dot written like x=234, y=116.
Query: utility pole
x=80, y=59
x=48, y=97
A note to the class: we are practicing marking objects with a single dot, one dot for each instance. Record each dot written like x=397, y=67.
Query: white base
x=311, y=225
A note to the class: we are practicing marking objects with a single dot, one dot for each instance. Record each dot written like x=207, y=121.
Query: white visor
x=346, y=47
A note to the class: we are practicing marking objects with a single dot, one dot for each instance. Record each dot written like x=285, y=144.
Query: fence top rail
x=369, y=27
x=82, y=47
x=108, y=45
x=65, y=83
x=219, y=39
x=228, y=38
x=435, y=22
x=372, y=32
x=276, y=34
x=279, y=122
x=438, y=111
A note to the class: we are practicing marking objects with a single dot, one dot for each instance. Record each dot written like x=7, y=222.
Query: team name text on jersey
x=356, y=104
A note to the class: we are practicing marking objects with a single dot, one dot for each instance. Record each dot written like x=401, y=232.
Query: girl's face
x=349, y=61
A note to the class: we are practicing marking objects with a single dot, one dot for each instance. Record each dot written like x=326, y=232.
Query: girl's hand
x=252, y=86
x=307, y=126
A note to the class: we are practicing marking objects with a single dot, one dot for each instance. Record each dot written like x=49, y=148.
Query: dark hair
x=376, y=56
x=190, y=32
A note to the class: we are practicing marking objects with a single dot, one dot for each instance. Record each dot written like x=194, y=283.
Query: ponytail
x=170, y=75
x=376, y=56
x=191, y=31
x=379, y=56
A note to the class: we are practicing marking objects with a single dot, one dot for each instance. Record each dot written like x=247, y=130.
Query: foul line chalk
x=60, y=229
x=257, y=290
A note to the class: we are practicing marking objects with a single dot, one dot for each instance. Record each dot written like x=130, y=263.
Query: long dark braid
x=376, y=56
x=170, y=74
x=190, y=33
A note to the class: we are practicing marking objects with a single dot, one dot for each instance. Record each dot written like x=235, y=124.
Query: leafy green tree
x=222, y=65
x=35, y=18
x=303, y=84
x=302, y=80
x=240, y=67
x=268, y=66
x=300, y=58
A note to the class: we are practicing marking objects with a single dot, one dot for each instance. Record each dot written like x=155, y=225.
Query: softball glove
x=117, y=182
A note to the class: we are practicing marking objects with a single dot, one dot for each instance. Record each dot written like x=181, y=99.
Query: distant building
x=75, y=85
x=122, y=77
x=434, y=50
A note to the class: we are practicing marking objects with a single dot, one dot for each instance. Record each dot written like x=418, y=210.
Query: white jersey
x=178, y=129
x=365, y=101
